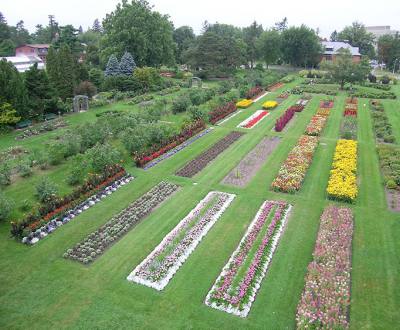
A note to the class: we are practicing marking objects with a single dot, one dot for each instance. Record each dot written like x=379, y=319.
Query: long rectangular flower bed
x=294, y=169
x=325, y=301
x=158, y=268
x=282, y=121
x=221, y=112
x=254, y=119
x=95, y=244
x=154, y=152
x=248, y=167
x=236, y=287
x=197, y=164
x=177, y=149
x=316, y=125
x=342, y=183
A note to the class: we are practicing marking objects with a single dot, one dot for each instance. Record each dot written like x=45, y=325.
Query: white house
x=24, y=62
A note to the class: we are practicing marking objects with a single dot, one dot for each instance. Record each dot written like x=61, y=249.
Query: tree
x=20, y=35
x=334, y=36
x=282, y=25
x=136, y=28
x=250, y=36
x=127, y=64
x=357, y=36
x=389, y=50
x=96, y=77
x=269, y=46
x=5, y=32
x=42, y=35
x=301, y=46
x=344, y=70
x=86, y=88
x=184, y=38
x=8, y=115
x=69, y=36
x=7, y=48
x=112, y=68
x=147, y=77
x=96, y=27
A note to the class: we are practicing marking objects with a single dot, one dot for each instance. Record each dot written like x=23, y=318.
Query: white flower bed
x=263, y=264
x=156, y=270
x=254, y=115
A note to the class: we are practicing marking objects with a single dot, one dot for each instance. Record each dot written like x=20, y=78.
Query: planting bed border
x=253, y=116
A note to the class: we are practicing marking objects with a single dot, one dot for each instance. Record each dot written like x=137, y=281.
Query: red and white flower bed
x=161, y=265
x=235, y=289
x=254, y=119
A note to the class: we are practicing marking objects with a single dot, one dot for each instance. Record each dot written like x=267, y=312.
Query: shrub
x=102, y=156
x=372, y=78
x=24, y=169
x=26, y=205
x=197, y=113
x=5, y=174
x=86, y=88
x=385, y=80
x=181, y=104
x=5, y=207
x=46, y=190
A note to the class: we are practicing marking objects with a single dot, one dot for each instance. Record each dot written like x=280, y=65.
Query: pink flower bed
x=282, y=121
x=325, y=301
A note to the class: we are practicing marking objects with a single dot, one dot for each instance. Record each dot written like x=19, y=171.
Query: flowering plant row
x=187, y=132
x=243, y=104
x=221, y=112
x=350, y=112
x=254, y=119
x=254, y=92
x=323, y=112
x=236, y=287
x=57, y=207
x=284, y=95
x=297, y=107
x=270, y=105
x=284, y=119
x=294, y=169
x=177, y=149
x=326, y=104
x=160, y=266
x=325, y=301
x=274, y=87
x=197, y=164
x=342, y=183
x=316, y=125
x=95, y=244
x=351, y=107
x=302, y=102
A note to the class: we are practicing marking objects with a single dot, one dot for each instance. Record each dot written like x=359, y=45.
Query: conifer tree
x=112, y=68
x=127, y=64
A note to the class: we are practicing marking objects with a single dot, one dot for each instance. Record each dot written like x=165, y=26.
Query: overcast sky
x=327, y=16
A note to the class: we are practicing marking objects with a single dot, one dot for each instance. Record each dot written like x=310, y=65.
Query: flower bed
x=221, y=112
x=302, y=102
x=297, y=107
x=382, y=126
x=254, y=119
x=155, y=152
x=161, y=265
x=243, y=104
x=177, y=149
x=294, y=169
x=274, y=87
x=197, y=164
x=350, y=112
x=325, y=301
x=326, y=104
x=36, y=224
x=236, y=287
x=249, y=165
x=316, y=125
x=270, y=105
x=284, y=119
x=254, y=92
x=95, y=244
x=342, y=183
x=348, y=128
x=323, y=112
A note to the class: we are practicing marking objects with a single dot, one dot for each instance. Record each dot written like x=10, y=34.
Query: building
x=332, y=48
x=24, y=62
x=38, y=50
x=379, y=31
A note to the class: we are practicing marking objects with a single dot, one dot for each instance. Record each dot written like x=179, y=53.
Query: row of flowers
x=268, y=105
x=323, y=112
x=282, y=121
x=60, y=206
x=325, y=301
x=95, y=244
x=159, y=267
x=254, y=119
x=187, y=132
x=342, y=183
x=236, y=287
x=245, y=103
x=254, y=92
x=351, y=107
x=221, y=112
x=294, y=169
x=316, y=125
x=327, y=104
x=177, y=149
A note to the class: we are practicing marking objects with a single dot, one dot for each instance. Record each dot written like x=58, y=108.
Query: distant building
x=23, y=63
x=379, y=31
x=332, y=48
x=39, y=50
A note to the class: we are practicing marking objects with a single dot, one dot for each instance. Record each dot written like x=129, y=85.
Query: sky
x=325, y=16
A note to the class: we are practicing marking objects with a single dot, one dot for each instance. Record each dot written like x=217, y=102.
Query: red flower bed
x=297, y=108
x=254, y=92
x=275, y=86
x=350, y=112
x=255, y=120
x=156, y=151
x=221, y=112
x=282, y=121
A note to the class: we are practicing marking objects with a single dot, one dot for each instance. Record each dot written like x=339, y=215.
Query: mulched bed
x=248, y=167
x=393, y=199
x=201, y=161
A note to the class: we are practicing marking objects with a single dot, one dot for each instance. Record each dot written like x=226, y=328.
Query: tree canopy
x=357, y=36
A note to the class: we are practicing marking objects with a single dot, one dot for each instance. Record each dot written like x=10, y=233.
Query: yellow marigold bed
x=270, y=104
x=244, y=103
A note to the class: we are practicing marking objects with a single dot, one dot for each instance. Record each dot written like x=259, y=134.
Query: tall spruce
x=67, y=72
x=127, y=64
x=112, y=68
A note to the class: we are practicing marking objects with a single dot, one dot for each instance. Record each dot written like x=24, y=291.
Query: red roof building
x=39, y=50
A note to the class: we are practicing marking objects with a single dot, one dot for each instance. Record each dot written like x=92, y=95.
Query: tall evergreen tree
x=250, y=35
x=112, y=68
x=127, y=64
x=96, y=26
x=52, y=67
x=67, y=67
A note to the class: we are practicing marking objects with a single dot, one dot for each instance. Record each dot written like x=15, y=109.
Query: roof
x=337, y=45
x=23, y=63
x=35, y=45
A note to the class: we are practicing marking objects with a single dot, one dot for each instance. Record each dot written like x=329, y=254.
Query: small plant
x=25, y=205
x=5, y=174
x=46, y=190
x=5, y=207
x=25, y=169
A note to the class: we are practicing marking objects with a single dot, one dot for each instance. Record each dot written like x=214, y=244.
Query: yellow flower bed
x=342, y=183
x=270, y=104
x=244, y=103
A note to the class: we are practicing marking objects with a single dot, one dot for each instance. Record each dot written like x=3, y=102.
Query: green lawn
x=40, y=289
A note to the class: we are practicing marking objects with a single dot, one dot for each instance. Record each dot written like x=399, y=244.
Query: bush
x=26, y=205
x=102, y=156
x=5, y=174
x=385, y=80
x=46, y=190
x=86, y=88
x=24, y=169
x=372, y=78
x=197, y=113
x=5, y=207
x=181, y=104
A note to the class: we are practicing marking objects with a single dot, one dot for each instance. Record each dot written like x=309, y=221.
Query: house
x=380, y=30
x=332, y=48
x=38, y=50
x=24, y=62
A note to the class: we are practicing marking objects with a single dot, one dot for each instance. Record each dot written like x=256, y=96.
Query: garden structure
x=80, y=103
